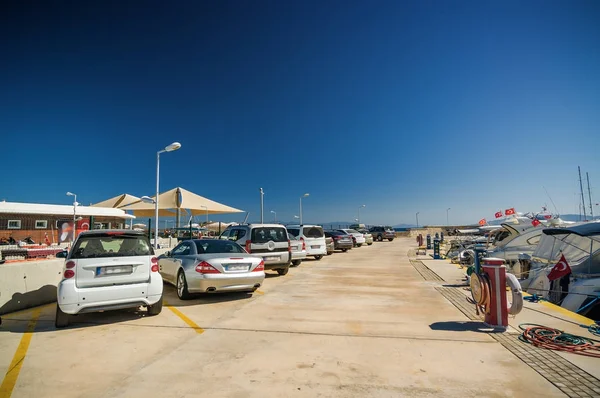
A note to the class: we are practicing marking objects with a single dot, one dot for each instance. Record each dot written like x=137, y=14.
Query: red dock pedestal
x=497, y=311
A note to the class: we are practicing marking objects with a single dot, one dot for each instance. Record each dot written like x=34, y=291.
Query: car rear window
x=217, y=246
x=112, y=245
x=313, y=232
x=294, y=231
x=265, y=234
x=351, y=231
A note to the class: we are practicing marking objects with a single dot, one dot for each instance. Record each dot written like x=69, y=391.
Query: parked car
x=341, y=240
x=314, y=238
x=108, y=270
x=269, y=241
x=330, y=245
x=381, y=233
x=298, y=250
x=367, y=235
x=357, y=238
x=211, y=266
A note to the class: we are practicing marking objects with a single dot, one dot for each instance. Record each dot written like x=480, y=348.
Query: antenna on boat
x=590, y=195
x=551, y=201
x=582, y=197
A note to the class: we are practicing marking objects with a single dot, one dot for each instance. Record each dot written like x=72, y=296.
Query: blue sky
x=402, y=106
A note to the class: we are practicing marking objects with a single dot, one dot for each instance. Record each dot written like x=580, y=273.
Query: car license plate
x=237, y=267
x=315, y=247
x=273, y=258
x=123, y=269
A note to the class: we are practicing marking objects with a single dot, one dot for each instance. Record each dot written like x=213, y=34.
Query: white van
x=314, y=238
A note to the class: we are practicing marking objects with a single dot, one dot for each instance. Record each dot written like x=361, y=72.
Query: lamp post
x=170, y=148
x=417, y=215
x=303, y=196
x=74, y=212
x=262, y=206
x=359, y=207
x=275, y=216
x=447, y=219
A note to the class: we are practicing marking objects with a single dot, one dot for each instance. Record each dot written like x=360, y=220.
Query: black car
x=341, y=241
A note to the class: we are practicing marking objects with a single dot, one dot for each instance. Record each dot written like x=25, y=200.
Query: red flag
x=535, y=222
x=482, y=222
x=498, y=214
x=560, y=269
x=547, y=216
x=46, y=239
x=510, y=211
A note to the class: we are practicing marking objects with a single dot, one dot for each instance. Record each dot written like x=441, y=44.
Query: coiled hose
x=594, y=329
x=554, y=339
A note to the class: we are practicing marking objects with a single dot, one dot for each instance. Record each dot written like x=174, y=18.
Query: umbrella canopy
x=179, y=198
x=120, y=201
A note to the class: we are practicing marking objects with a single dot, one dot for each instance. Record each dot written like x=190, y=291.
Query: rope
x=594, y=329
x=554, y=339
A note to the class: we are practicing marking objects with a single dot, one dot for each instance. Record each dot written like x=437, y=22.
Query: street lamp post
x=359, y=207
x=170, y=148
x=275, y=215
x=262, y=206
x=417, y=215
x=303, y=196
x=74, y=214
x=447, y=219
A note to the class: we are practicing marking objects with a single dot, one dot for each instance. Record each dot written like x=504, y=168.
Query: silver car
x=298, y=250
x=211, y=265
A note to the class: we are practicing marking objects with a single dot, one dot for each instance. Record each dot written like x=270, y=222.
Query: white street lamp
x=170, y=148
x=275, y=217
x=74, y=216
x=447, y=219
x=303, y=196
x=359, y=207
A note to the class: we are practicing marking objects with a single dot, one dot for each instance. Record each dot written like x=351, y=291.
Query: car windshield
x=389, y=228
x=313, y=232
x=265, y=234
x=213, y=246
x=351, y=231
x=111, y=245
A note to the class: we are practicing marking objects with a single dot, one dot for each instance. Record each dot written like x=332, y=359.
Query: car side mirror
x=168, y=254
x=62, y=254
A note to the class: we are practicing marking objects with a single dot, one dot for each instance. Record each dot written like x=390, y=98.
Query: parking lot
x=356, y=324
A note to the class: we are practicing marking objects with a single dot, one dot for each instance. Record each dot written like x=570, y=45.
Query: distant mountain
x=404, y=226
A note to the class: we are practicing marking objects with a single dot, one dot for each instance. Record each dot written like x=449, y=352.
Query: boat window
x=534, y=240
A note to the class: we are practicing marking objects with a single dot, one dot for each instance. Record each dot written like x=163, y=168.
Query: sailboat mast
x=587, y=175
x=582, y=197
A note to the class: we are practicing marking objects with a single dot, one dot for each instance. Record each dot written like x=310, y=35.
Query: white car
x=357, y=237
x=108, y=270
x=313, y=237
x=298, y=250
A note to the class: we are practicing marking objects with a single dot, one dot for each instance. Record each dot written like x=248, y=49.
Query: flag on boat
x=498, y=214
x=46, y=239
x=547, y=216
x=482, y=222
x=510, y=212
x=560, y=269
x=535, y=222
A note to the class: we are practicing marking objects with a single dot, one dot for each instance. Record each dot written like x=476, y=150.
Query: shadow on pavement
x=170, y=297
x=463, y=326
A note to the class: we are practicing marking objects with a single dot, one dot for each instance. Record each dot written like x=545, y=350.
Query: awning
x=118, y=201
x=587, y=229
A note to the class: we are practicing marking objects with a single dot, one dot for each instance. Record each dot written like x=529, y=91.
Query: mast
x=582, y=197
x=587, y=175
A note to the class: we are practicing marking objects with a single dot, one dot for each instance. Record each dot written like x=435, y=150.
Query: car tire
x=358, y=244
x=62, y=319
x=296, y=263
x=344, y=250
x=182, y=287
x=380, y=238
x=369, y=244
x=155, y=308
x=391, y=239
x=283, y=271
x=318, y=257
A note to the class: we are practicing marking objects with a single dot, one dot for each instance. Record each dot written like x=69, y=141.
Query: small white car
x=313, y=237
x=298, y=250
x=108, y=270
x=357, y=237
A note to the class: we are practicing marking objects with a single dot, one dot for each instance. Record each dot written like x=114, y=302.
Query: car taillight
x=289, y=246
x=70, y=264
x=69, y=269
x=303, y=244
x=69, y=273
x=259, y=267
x=206, y=268
x=154, y=263
x=248, y=243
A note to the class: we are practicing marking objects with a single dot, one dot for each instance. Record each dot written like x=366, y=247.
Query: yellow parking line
x=25, y=311
x=12, y=374
x=184, y=318
x=259, y=292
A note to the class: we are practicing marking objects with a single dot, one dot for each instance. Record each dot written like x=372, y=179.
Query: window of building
x=41, y=224
x=14, y=224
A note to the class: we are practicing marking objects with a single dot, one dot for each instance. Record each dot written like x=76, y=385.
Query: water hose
x=555, y=339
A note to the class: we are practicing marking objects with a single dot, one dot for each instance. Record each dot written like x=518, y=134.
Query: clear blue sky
x=402, y=106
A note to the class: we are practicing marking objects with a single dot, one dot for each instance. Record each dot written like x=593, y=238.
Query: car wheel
x=358, y=244
x=380, y=238
x=296, y=263
x=155, y=308
x=182, y=287
x=344, y=250
x=318, y=257
x=369, y=244
x=283, y=271
x=62, y=319
x=391, y=239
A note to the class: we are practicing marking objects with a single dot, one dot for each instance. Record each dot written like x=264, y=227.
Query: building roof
x=60, y=210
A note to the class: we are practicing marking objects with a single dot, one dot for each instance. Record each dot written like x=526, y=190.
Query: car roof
x=304, y=225
x=265, y=225
x=112, y=231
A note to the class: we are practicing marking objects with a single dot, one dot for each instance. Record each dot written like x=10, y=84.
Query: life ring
x=516, y=305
